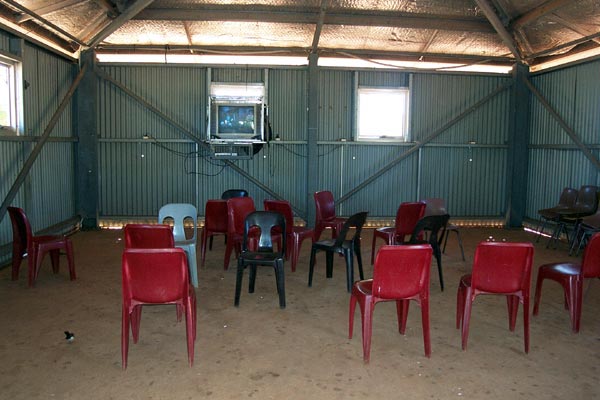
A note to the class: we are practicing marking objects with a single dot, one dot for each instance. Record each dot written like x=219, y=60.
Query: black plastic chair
x=261, y=252
x=231, y=193
x=586, y=204
x=567, y=199
x=433, y=224
x=341, y=245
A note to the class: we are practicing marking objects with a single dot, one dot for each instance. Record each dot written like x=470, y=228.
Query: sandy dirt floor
x=302, y=352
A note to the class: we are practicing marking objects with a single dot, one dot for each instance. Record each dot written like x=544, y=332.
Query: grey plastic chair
x=179, y=212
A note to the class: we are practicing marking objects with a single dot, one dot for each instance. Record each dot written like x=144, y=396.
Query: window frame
x=15, y=94
x=405, y=124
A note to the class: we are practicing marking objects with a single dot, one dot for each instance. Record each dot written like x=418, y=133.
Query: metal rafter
x=506, y=37
x=319, y=26
x=294, y=16
x=539, y=12
x=44, y=21
x=47, y=8
x=129, y=13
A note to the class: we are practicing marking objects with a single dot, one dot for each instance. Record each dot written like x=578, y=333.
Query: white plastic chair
x=179, y=212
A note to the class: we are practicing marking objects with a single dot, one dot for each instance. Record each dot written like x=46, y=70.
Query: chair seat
x=556, y=271
x=364, y=287
x=259, y=257
x=329, y=244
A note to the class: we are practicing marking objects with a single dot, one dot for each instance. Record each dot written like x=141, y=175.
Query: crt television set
x=236, y=121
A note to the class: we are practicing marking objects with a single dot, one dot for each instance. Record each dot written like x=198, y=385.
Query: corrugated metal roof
x=476, y=30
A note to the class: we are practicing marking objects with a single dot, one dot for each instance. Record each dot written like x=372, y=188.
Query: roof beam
x=47, y=8
x=319, y=27
x=129, y=13
x=357, y=18
x=45, y=22
x=539, y=12
x=506, y=37
x=575, y=28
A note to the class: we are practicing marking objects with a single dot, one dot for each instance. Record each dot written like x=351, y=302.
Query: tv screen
x=236, y=120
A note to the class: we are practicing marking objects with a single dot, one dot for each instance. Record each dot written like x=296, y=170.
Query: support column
x=518, y=150
x=87, y=147
x=312, y=163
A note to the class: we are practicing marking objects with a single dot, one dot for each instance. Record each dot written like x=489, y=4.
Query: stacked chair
x=154, y=272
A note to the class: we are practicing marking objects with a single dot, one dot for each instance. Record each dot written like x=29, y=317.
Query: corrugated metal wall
x=554, y=161
x=179, y=92
x=48, y=193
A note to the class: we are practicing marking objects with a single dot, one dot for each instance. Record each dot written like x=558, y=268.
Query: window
x=10, y=95
x=382, y=114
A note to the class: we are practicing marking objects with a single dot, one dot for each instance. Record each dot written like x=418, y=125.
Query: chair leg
x=402, y=307
x=575, y=297
x=124, y=336
x=352, y=308
x=311, y=266
x=203, y=246
x=460, y=305
x=373, y=248
x=190, y=321
x=17, y=258
x=70, y=260
x=466, y=319
x=280, y=280
x=252, y=278
x=55, y=260
x=359, y=259
x=31, y=266
x=438, y=257
x=135, y=319
x=512, y=303
x=526, y=322
x=349, y=257
x=538, y=294
x=228, y=250
x=329, y=264
x=192, y=264
x=367, y=327
x=425, y=323
x=238, y=282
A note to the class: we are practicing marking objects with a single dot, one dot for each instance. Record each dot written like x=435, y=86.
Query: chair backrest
x=434, y=206
x=148, y=236
x=401, y=271
x=20, y=226
x=431, y=223
x=215, y=215
x=587, y=199
x=155, y=275
x=179, y=212
x=325, y=206
x=238, y=209
x=231, y=193
x=265, y=221
x=355, y=221
x=407, y=216
x=283, y=207
x=568, y=197
x=590, y=263
x=502, y=267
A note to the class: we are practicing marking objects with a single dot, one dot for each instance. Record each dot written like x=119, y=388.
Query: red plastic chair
x=325, y=215
x=498, y=268
x=238, y=209
x=400, y=274
x=35, y=247
x=148, y=236
x=156, y=276
x=215, y=223
x=571, y=277
x=295, y=234
x=407, y=216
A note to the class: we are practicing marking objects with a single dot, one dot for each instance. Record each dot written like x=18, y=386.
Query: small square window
x=10, y=96
x=382, y=114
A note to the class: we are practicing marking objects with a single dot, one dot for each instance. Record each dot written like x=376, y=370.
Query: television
x=236, y=121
